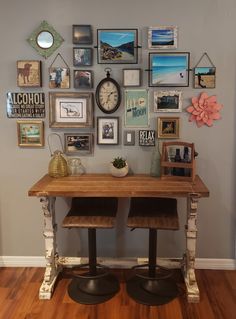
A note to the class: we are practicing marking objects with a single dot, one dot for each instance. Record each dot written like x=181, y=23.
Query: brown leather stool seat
x=155, y=287
x=96, y=286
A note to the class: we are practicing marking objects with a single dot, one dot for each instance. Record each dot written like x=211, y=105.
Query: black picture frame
x=147, y=137
x=82, y=56
x=117, y=46
x=83, y=79
x=82, y=34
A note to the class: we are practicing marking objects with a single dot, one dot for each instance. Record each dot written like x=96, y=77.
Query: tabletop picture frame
x=78, y=143
x=82, y=56
x=117, y=46
x=82, y=34
x=167, y=101
x=107, y=130
x=169, y=69
x=168, y=127
x=132, y=77
x=71, y=109
x=30, y=133
x=29, y=73
x=162, y=37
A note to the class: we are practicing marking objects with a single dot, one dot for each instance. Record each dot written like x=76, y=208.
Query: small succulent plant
x=119, y=162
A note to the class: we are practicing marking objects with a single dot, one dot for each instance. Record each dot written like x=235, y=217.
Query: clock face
x=108, y=95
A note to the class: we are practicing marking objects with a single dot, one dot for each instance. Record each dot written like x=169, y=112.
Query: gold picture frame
x=30, y=133
x=168, y=127
x=71, y=109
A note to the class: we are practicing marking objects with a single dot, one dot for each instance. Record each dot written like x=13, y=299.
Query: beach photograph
x=169, y=69
x=117, y=46
x=162, y=37
x=204, y=77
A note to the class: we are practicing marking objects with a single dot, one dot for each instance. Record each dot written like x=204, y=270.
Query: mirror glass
x=45, y=39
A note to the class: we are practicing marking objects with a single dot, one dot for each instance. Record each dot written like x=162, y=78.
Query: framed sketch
x=168, y=127
x=136, y=108
x=83, y=79
x=30, y=133
x=167, y=101
x=70, y=109
x=169, y=69
x=129, y=137
x=29, y=73
x=147, y=137
x=78, y=143
x=82, y=56
x=107, y=130
x=162, y=37
x=131, y=77
x=204, y=77
x=117, y=46
x=59, y=78
x=82, y=34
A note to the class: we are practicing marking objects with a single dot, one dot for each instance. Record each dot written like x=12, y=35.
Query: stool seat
x=92, y=213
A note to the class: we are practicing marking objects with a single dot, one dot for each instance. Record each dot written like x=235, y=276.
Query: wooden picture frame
x=82, y=56
x=168, y=127
x=169, y=69
x=29, y=73
x=167, y=101
x=78, y=143
x=162, y=37
x=71, y=109
x=59, y=78
x=83, y=79
x=147, y=137
x=82, y=34
x=30, y=133
x=108, y=130
x=129, y=138
x=117, y=46
x=131, y=77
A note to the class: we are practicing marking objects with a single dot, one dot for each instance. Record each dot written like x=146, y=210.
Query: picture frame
x=82, y=34
x=29, y=73
x=78, y=143
x=131, y=77
x=71, y=109
x=147, y=138
x=167, y=101
x=108, y=130
x=162, y=37
x=30, y=133
x=83, y=79
x=168, y=127
x=117, y=46
x=204, y=77
x=129, y=138
x=82, y=56
x=59, y=78
x=137, y=108
x=169, y=69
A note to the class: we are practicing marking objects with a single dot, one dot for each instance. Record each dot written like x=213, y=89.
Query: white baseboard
x=39, y=261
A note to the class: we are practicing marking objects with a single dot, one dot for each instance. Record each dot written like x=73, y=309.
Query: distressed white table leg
x=189, y=256
x=51, y=255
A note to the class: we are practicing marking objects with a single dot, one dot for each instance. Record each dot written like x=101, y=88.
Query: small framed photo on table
x=168, y=127
x=131, y=77
x=82, y=56
x=107, y=130
x=30, y=133
x=78, y=143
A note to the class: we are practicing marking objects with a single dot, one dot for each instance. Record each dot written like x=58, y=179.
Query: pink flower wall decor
x=204, y=110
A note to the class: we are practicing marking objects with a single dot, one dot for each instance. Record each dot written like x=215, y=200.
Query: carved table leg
x=188, y=266
x=51, y=255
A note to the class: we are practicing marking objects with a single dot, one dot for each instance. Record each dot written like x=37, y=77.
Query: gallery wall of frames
x=168, y=70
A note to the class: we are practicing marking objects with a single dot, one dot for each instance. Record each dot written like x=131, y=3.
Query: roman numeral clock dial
x=108, y=94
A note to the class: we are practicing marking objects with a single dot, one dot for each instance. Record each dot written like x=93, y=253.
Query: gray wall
x=204, y=26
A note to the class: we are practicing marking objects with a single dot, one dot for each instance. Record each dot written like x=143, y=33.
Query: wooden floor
x=19, y=299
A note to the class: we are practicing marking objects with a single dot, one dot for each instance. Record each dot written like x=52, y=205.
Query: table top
x=105, y=185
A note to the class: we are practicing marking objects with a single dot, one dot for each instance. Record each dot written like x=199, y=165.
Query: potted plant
x=119, y=167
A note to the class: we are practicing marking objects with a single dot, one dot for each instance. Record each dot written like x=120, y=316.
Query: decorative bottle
x=186, y=159
x=178, y=171
x=156, y=162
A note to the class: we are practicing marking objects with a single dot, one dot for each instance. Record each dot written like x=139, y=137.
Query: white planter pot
x=119, y=172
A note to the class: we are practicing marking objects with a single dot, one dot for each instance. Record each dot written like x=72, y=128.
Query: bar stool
x=98, y=284
x=155, y=287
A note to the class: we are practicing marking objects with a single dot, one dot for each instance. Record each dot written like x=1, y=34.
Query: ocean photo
x=162, y=37
x=117, y=46
x=169, y=69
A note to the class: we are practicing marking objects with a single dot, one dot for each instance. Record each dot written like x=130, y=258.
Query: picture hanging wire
x=59, y=56
x=207, y=56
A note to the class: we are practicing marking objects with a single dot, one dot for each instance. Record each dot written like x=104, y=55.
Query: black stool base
x=151, y=292
x=93, y=291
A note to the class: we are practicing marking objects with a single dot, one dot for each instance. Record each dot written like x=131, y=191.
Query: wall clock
x=108, y=94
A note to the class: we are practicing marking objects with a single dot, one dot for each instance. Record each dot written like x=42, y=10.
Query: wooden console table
x=104, y=185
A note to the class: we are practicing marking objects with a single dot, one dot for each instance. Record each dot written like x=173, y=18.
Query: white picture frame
x=167, y=101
